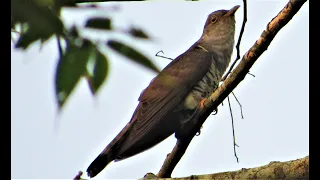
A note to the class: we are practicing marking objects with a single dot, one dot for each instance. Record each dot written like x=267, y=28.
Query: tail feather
x=108, y=154
x=99, y=164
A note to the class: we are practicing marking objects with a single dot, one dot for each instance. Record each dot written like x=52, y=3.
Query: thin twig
x=239, y=104
x=15, y=31
x=251, y=74
x=162, y=56
x=78, y=176
x=239, y=40
x=234, y=137
x=238, y=74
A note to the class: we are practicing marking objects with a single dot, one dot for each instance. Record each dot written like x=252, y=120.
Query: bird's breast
x=205, y=87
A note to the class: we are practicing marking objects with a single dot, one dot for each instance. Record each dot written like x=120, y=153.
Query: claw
x=215, y=111
x=199, y=132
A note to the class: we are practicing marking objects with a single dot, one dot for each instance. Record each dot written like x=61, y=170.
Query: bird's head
x=220, y=27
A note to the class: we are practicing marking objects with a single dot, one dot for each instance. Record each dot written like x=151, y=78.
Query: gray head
x=219, y=29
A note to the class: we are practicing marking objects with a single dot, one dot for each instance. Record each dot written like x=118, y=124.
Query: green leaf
x=30, y=36
x=43, y=23
x=132, y=54
x=138, y=33
x=99, y=23
x=98, y=68
x=71, y=67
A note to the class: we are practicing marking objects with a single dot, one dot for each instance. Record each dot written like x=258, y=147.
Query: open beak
x=231, y=11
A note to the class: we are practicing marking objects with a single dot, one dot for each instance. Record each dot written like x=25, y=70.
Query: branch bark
x=295, y=169
x=239, y=73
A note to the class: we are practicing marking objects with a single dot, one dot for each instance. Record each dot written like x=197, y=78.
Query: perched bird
x=171, y=101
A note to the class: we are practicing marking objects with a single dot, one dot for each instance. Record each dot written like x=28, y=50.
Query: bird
x=171, y=102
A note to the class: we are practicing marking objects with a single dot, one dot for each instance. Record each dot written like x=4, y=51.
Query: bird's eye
x=214, y=19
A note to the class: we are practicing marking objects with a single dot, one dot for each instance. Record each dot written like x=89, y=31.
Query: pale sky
x=275, y=103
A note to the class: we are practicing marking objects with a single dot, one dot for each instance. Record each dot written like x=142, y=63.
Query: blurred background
x=51, y=145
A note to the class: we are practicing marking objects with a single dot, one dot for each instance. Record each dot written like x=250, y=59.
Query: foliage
x=39, y=20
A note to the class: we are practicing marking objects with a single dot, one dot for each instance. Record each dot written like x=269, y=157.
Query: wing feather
x=162, y=95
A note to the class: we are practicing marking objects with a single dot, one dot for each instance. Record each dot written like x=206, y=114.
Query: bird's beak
x=231, y=11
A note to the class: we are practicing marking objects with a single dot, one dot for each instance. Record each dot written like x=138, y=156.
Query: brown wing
x=148, y=125
x=165, y=91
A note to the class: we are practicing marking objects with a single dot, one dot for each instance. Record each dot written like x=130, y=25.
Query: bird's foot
x=202, y=103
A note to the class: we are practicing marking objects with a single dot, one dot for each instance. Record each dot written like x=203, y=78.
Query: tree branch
x=295, y=169
x=239, y=73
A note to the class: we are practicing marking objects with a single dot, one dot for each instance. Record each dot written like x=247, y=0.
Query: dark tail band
x=99, y=164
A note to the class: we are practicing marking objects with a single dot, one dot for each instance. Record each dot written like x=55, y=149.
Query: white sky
x=275, y=103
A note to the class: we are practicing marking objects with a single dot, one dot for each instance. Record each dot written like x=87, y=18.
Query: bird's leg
x=201, y=105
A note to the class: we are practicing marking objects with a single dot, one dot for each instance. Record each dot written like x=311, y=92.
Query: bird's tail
x=99, y=164
x=109, y=153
